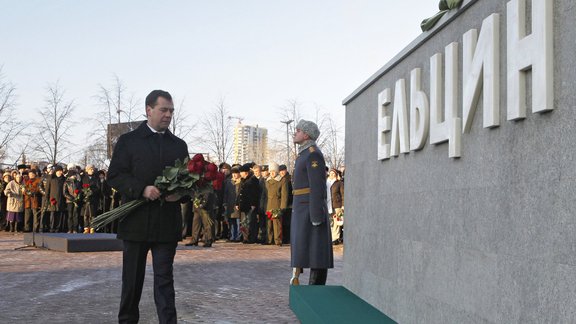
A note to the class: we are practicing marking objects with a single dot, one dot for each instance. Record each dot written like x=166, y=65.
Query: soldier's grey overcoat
x=311, y=246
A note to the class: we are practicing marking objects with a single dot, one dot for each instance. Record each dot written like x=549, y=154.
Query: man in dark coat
x=139, y=157
x=92, y=200
x=310, y=241
x=55, y=200
x=247, y=203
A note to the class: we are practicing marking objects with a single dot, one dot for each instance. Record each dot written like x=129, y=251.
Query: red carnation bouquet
x=184, y=178
x=86, y=192
x=273, y=214
x=77, y=197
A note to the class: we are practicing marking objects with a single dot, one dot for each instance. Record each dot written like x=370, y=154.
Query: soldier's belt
x=301, y=191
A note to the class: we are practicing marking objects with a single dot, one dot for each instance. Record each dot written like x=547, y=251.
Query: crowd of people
x=54, y=199
x=253, y=205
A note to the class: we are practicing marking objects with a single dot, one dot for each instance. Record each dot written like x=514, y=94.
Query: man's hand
x=173, y=197
x=151, y=193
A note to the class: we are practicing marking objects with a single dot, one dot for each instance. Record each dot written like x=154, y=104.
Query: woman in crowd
x=55, y=199
x=72, y=191
x=335, y=201
x=15, y=202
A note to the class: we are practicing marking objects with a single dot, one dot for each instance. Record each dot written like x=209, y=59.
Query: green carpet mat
x=332, y=304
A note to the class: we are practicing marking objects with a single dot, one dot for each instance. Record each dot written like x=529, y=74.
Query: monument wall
x=479, y=227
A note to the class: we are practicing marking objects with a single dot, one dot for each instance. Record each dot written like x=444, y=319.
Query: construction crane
x=240, y=119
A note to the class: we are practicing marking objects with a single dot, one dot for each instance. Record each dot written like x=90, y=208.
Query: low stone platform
x=333, y=305
x=64, y=242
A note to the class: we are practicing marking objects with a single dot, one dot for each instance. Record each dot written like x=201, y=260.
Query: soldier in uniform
x=310, y=237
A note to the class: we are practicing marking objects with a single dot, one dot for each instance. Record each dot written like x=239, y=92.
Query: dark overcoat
x=337, y=194
x=55, y=190
x=249, y=194
x=139, y=157
x=310, y=245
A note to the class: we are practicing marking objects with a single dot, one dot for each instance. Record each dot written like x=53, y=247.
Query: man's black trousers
x=133, y=271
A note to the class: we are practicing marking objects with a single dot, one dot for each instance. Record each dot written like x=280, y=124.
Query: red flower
x=269, y=214
x=190, y=166
x=198, y=158
x=211, y=167
x=195, y=167
x=218, y=181
x=210, y=175
x=76, y=191
x=86, y=185
x=53, y=201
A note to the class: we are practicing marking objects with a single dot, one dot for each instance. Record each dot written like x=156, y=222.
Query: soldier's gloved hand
x=316, y=223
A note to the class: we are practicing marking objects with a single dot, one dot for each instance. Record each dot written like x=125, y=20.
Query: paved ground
x=228, y=283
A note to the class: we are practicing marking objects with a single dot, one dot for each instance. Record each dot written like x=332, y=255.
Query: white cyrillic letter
x=419, y=112
x=441, y=128
x=482, y=57
x=400, y=140
x=384, y=124
x=525, y=51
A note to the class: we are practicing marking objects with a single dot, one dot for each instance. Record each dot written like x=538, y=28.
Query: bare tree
x=180, y=125
x=55, y=124
x=11, y=127
x=290, y=115
x=217, y=131
x=116, y=106
x=333, y=143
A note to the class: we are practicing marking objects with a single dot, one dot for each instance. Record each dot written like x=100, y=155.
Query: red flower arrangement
x=53, y=201
x=273, y=214
x=184, y=178
x=87, y=192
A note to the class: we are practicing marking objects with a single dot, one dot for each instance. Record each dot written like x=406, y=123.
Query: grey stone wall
x=486, y=238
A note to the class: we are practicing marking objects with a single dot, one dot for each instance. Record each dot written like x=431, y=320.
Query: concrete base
x=75, y=242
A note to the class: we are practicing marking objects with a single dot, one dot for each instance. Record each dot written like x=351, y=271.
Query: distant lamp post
x=287, y=122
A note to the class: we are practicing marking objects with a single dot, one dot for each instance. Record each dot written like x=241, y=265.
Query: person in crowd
x=222, y=225
x=335, y=202
x=73, y=194
x=46, y=175
x=265, y=171
x=139, y=157
x=286, y=213
x=91, y=193
x=277, y=202
x=32, y=202
x=203, y=206
x=247, y=203
x=6, y=178
x=261, y=209
x=105, y=199
x=231, y=189
x=15, y=202
x=55, y=199
x=310, y=242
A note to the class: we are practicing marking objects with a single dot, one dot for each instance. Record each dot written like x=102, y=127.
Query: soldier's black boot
x=318, y=276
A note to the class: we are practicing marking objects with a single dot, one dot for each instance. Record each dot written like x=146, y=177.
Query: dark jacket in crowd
x=249, y=194
x=337, y=194
x=94, y=182
x=263, y=195
x=55, y=200
x=139, y=157
x=229, y=199
x=70, y=186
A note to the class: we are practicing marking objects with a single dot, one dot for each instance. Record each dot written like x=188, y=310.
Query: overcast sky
x=257, y=54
